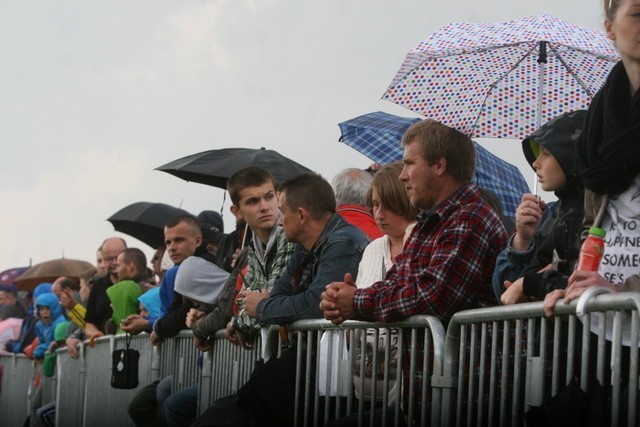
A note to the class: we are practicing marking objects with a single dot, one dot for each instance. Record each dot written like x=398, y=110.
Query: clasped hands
x=336, y=302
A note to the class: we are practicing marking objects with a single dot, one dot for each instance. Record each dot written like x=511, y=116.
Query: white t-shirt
x=622, y=251
x=622, y=242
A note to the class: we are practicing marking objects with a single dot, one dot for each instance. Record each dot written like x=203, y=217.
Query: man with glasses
x=99, y=307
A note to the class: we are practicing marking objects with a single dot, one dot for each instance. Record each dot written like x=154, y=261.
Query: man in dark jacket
x=182, y=236
x=539, y=261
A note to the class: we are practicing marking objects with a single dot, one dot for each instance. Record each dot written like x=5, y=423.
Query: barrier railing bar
x=633, y=368
x=504, y=372
x=615, y=367
x=492, y=373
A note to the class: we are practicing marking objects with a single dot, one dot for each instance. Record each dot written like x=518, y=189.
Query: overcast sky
x=95, y=94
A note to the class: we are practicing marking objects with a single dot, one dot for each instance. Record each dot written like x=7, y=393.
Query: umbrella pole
x=542, y=62
x=244, y=236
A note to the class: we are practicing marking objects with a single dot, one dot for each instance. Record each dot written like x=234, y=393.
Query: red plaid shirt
x=445, y=267
x=448, y=258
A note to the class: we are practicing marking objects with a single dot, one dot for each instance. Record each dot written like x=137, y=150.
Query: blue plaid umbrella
x=377, y=136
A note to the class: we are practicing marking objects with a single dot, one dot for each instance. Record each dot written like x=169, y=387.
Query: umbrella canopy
x=503, y=80
x=49, y=271
x=214, y=167
x=7, y=277
x=377, y=136
x=145, y=221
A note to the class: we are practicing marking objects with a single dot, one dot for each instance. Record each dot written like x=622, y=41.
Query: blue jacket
x=166, y=288
x=338, y=251
x=45, y=332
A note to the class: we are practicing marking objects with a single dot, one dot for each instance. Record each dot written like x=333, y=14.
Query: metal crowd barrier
x=326, y=391
x=104, y=405
x=70, y=379
x=226, y=367
x=492, y=367
x=502, y=362
x=180, y=358
x=17, y=373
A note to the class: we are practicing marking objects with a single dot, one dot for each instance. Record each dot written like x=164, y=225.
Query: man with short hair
x=99, y=307
x=67, y=291
x=131, y=268
x=255, y=202
x=350, y=187
x=327, y=247
x=448, y=259
x=131, y=264
x=182, y=236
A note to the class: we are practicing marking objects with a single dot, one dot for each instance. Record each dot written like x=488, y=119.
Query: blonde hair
x=392, y=193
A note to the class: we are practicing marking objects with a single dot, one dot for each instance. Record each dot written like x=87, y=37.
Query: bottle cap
x=597, y=232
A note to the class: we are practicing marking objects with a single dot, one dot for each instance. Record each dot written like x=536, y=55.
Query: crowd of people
x=414, y=237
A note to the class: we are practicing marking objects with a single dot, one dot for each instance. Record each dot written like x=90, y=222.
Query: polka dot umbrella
x=503, y=80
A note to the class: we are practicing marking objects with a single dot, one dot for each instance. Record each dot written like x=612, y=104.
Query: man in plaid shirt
x=448, y=259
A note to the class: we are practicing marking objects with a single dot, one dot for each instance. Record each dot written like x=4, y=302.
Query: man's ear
x=236, y=212
x=303, y=215
x=441, y=166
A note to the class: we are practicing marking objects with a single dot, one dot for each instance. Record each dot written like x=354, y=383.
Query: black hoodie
x=559, y=137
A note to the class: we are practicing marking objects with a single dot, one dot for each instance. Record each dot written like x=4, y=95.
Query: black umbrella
x=214, y=167
x=145, y=221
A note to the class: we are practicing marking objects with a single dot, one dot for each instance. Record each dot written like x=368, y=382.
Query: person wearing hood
x=49, y=316
x=28, y=330
x=541, y=255
x=150, y=305
x=201, y=282
x=124, y=302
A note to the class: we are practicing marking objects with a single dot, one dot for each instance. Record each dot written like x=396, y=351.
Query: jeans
x=181, y=408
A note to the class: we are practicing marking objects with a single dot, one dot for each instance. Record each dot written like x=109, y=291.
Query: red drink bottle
x=592, y=250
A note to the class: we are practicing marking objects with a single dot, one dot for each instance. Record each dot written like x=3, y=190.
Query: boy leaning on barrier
x=183, y=236
x=541, y=255
x=447, y=261
x=253, y=194
x=201, y=283
x=326, y=247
